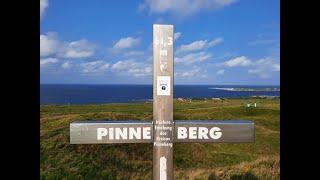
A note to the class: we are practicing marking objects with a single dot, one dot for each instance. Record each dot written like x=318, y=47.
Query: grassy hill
x=259, y=160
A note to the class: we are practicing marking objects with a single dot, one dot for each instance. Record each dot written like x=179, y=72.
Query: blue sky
x=110, y=42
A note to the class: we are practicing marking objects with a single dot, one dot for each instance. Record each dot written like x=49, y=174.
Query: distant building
x=216, y=99
x=181, y=99
x=254, y=105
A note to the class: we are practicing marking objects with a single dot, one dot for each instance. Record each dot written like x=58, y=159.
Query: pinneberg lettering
x=132, y=133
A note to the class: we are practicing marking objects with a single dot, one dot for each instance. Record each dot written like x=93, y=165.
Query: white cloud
x=191, y=73
x=78, y=49
x=132, y=67
x=192, y=58
x=48, y=61
x=123, y=65
x=194, y=72
x=183, y=8
x=177, y=35
x=50, y=45
x=220, y=72
x=94, y=67
x=133, y=53
x=214, y=42
x=125, y=43
x=264, y=67
x=276, y=67
x=238, y=61
x=43, y=5
x=66, y=65
x=198, y=45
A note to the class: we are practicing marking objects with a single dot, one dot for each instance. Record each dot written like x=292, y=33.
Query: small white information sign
x=163, y=85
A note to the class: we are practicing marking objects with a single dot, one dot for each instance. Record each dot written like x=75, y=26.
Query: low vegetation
x=258, y=160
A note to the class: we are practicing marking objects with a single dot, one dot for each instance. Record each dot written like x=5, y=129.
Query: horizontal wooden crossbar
x=184, y=131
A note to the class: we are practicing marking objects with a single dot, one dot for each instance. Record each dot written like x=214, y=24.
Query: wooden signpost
x=162, y=131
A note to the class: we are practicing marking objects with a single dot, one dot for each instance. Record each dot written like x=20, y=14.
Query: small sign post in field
x=163, y=131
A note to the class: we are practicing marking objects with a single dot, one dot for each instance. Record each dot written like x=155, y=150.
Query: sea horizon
x=128, y=93
x=174, y=85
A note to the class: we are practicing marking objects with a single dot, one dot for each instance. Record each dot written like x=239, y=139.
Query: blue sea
x=100, y=94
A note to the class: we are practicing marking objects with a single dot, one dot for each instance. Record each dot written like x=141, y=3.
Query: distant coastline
x=246, y=89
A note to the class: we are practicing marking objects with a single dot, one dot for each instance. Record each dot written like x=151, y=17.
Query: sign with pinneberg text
x=104, y=132
x=163, y=131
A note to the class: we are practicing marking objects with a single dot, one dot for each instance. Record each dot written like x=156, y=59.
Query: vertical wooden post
x=163, y=102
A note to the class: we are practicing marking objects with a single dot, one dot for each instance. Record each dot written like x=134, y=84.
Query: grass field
x=259, y=160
